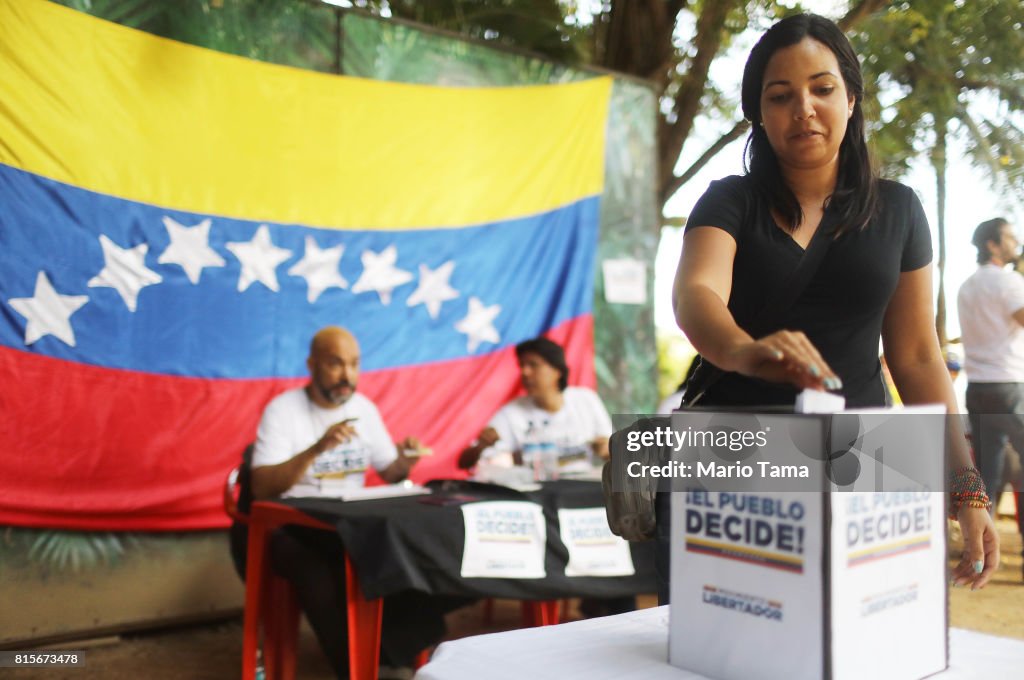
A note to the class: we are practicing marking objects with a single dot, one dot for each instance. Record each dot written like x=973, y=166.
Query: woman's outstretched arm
x=912, y=351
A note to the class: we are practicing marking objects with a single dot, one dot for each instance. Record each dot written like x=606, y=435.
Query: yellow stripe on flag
x=121, y=112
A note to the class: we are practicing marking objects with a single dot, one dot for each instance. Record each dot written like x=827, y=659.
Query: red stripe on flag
x=83, y=447
x=93, y=448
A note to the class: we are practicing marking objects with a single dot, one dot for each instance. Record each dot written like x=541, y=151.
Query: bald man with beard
x=325, y=430
x=313, y=441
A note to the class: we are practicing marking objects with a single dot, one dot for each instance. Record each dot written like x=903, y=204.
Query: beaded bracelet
x=967, y=489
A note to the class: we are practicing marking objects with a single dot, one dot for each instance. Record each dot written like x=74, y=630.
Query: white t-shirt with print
x=292, y=423
x=521, y=423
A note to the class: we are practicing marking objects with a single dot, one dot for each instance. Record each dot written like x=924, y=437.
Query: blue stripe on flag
x=539, y=270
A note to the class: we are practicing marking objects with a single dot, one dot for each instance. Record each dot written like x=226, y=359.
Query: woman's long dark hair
x=856, y=194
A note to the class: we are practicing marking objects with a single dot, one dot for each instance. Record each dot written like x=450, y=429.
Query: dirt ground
x=213, y=651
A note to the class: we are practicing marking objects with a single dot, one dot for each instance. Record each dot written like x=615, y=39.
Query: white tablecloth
x=635, y=645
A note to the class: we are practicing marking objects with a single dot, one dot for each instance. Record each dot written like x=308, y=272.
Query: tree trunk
x=637, y=39
x=938, y=158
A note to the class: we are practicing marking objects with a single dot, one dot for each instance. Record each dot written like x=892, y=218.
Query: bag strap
x=782, y=300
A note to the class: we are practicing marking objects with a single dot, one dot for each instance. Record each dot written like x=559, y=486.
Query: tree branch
x=983, y=149
x=737, y=131
x=862, y=10
x=708, y=41
x=638, y=38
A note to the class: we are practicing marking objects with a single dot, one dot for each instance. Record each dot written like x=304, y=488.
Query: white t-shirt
x=521, y=423
x=292, y=423
x=993, y=340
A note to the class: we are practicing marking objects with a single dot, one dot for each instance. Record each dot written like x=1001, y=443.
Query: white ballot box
x=843, y=582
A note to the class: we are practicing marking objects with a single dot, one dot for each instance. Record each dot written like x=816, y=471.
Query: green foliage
x=67, y=551
x=947, y=68
x=948, y=60
x=64, y=551
x=536, y=25
x=140, y=14
x=386, y=50
x=674, y=356
x=279, y=31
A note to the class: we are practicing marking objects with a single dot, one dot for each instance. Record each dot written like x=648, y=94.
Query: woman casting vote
x=810, y=188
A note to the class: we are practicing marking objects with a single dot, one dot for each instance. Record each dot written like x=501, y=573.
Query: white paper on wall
x=625, y=281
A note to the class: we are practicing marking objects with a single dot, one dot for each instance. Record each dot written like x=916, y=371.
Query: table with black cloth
x=405, y=543
x=416, y=543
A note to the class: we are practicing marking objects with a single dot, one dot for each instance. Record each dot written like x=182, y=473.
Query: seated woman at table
x=554, y=429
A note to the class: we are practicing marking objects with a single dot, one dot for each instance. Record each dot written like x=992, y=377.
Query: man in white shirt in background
x=991, y=308
x=321, y=437
x=317, y=440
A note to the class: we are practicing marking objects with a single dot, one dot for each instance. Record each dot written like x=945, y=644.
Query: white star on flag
x=125, y=271
x=48, y=312
x=190, y=248
x=380, y=274
x=259, y=258
x=319, y=268
x=478, y=324
x=434, y=289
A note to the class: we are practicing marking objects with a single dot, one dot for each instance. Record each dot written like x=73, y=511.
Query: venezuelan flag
x=177, y=223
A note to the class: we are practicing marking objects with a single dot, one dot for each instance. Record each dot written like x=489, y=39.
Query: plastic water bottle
x=543, y=452
x=532, y=451
x=548, y=455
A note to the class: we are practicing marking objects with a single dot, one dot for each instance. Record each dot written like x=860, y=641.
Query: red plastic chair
x=281, y=610
x=533, y=613
x=230, y=497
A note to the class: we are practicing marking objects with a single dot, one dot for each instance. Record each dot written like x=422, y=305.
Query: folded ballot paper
x=837, y=572
x=366, y=493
